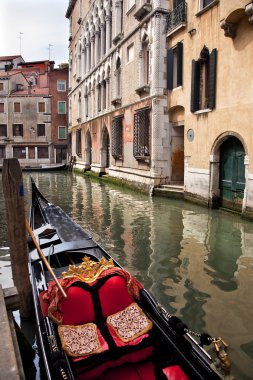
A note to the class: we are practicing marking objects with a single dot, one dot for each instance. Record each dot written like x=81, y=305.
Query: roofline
x=70, y=8
x=42, y=61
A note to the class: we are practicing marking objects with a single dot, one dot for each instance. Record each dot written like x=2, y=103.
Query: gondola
x=96, y=321
x=44, y=167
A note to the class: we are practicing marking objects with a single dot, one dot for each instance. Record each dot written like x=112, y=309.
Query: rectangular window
x=19, y=152
x=205, y=3
x=41, y=130
x=42, y=152
x=2, y=152
x=62, y=133
x=1, y=107
x=61, y=85
x=130, y=53
x=17, y=107
x=62, y=107
x=31, y=152
x=117, y=137
x=41, y=107
x=175, y=66
x=1, y=86
x=17, y=130
x=203, y=80
x=141, y=133
x=3, y=130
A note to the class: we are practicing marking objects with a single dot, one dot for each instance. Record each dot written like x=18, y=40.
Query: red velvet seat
x=78, y=309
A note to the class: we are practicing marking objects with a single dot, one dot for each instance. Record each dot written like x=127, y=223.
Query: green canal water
x=197, y=262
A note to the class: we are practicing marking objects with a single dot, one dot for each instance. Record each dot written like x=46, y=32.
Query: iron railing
x=177, y=17
x=141, y=134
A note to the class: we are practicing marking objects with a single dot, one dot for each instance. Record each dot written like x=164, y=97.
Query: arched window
x=79, y=106
x=118, y=78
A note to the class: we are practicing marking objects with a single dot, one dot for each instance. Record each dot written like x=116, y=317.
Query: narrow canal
x=197, y=262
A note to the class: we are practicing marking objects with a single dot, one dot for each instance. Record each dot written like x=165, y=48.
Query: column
x=118, y=17
x=102, y=31
x=108, y=92
x=87, y=57
x=92, y=51
x=108, y=32
x=96, y=46
x=83, y=62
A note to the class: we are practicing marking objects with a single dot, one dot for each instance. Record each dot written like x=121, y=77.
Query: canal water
x=197, y=262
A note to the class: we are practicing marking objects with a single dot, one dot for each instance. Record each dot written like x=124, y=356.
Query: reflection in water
x=197, y=262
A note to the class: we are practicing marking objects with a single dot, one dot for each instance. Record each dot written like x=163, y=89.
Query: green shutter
x=180, y=64
x=195, y=86
x=212, y=79
x=170, y=69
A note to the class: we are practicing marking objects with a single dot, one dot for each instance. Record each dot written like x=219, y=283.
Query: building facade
x=210, y=50
x=117, y=99
x=33, y=113
x=159, y=95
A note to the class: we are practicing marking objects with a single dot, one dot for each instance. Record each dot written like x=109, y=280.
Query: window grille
x=141, y=133
x=117, y=137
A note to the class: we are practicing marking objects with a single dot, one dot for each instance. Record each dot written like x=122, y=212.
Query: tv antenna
x=49, y=50
x=20, y=39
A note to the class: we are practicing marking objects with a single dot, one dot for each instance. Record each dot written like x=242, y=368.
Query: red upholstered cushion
x=132, y=357
x=175, y=373
x=138, y=371
x=114, y=295
x=120, y=343
x=77, y=308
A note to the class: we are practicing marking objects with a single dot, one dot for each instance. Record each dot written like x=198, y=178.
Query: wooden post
x=15, y=211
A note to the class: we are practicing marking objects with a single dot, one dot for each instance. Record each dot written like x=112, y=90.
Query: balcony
x=143, y=10
x=143, y=90
x=116, y=101
x=177, y=18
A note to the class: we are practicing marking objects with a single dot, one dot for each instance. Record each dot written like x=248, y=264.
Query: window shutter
x=195, y=86
x=180, y=64
x=170, y=69
x=212, y=79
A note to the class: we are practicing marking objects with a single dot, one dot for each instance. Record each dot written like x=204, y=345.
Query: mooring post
x=15, y=211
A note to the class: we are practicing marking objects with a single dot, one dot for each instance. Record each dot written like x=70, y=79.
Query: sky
x=41, y=22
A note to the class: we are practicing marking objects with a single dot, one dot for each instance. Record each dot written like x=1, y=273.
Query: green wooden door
x=232, y=174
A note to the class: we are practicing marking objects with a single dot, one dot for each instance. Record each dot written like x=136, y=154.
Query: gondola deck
x=109, y=326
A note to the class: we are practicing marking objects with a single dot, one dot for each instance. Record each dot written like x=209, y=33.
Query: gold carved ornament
x=88, y=271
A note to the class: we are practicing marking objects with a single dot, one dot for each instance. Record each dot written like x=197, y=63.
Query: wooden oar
x=44, y=258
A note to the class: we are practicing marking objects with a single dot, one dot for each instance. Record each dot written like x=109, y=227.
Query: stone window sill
x=206, y=110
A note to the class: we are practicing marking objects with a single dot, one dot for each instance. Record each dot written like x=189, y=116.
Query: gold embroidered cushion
x=129, y=323
x=80, y=340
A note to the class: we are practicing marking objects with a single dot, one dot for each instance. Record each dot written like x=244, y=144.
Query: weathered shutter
x=170, y=69
x=195, y=86
x=179, y=64
x=212, y=78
